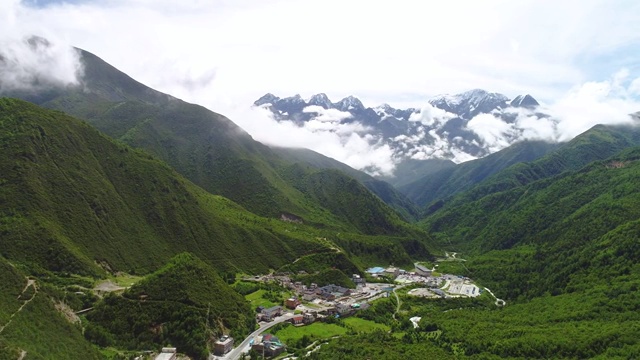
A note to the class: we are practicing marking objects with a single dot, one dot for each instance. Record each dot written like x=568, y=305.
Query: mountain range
x=447, y=127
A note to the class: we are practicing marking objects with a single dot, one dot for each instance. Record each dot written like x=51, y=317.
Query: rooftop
x=375, y=270
x=224, y=341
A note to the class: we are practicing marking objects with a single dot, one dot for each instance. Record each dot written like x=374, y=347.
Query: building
x=167, y=354
x=357, y=279
x=392, y=272
x=297, y=320
x=270, y=313
x=292, y=303
x=375, y=271
x=439, y=292
x=309, y=295
x=423, y=270
x=335, y=290
x=344, y=310
x=268, y=345
x=308, y=318
x=223, y=346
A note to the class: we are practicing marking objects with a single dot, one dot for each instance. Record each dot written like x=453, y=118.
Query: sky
x=580, y=59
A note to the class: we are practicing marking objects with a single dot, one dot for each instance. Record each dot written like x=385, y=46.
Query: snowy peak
x=349, y=103
x=470, y=103
x=321, y=100
x=295, y=99
x=268, y=98
x=526, y=101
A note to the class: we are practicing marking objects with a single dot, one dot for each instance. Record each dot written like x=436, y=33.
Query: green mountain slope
x=576, y=230
x=385, y=191
x=563, y=251
x=185, y=304
x=73, y=200
x=30, y=325
x=597, y=143
x=454, y=179
x=205, y=147
x=411, y=170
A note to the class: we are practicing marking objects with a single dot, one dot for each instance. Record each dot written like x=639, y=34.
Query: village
x=317, y=303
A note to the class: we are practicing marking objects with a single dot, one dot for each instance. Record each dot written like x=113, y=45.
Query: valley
x=132, y=221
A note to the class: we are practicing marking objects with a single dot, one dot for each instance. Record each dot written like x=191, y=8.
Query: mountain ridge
x=442, y=129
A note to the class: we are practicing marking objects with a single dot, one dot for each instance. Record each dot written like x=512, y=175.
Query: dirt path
x=108, y=286
x=398, y=306
x=30, y=282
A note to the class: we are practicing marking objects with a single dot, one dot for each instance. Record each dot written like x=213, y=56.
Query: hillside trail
x=398, y=306
x=30, y=282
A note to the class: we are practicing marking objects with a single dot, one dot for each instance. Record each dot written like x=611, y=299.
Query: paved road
x=244, y=346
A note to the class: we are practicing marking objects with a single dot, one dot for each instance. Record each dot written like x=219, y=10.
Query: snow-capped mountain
x=459, y=127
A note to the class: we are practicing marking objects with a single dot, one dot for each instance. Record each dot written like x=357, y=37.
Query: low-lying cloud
x=30, y=62
x=34, y=63
x=609, y=102
x=346, y=142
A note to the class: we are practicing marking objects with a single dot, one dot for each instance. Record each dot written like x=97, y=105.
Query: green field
x=256, y=299
x=362, y=325
x=126, y=280
x=315, y=331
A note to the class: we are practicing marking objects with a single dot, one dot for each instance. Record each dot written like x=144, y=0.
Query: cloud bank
x=29, y=62
x=609, y=102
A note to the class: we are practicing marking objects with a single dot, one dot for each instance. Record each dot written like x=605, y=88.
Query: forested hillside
x=88, y=205
x=205, y=147
x=450, y=180
x=183, y=304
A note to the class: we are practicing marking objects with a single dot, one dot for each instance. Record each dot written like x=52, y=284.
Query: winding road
x=499, y=302
x=243, y=347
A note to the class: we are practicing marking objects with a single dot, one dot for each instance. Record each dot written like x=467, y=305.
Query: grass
x=126, y=280
x=362, y=325
x=315, y=331
x=256, y=299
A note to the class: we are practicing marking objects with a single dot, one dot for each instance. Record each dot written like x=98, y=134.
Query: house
x=270, y=313
x=268, y=345
x=223, y=346
x=309, y=295
x=392, y=272
x=167, y=354
x=344, y=310
x=423, y=270
x=335, y=290
x=297, y=320
x=357, y=279
x=292, y=303
x=308, y=318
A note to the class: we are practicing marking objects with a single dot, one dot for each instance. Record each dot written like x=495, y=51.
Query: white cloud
x=327, y=115
x=605, y=102
x=431, y=116
x=494, y=132
x=342, y=142
x=28, y=62
x=224, y=54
